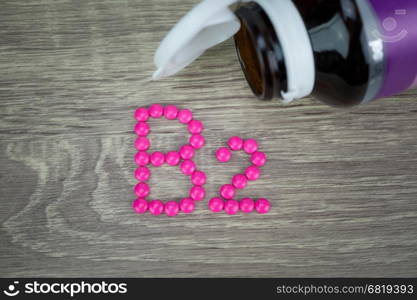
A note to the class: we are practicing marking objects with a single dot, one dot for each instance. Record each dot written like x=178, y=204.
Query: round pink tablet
x=185, y=116
x=197, y=193
x=262, y=206
x=187, y=205
x=172, y=158
x=250, y=146
x=142, y=158
x=156, y=207
x=239, y=181
x=156, y=110
x=172, y=208
x=170, y=112
x=246, y=205
x=223, y=154
x=187, y=152
x=231, y=207
x=252, y=173
x=227, y=191
x=216, y=204
x=142, y=143
x=198, y=178
x=140, y=206
x=235, y=143
x=142, y=190
x=197, y=141
x=157, y=159
x=258, y=158
x=188, y=167
x=142, y=174
x=142, y=128
x=141, y=114
x=195, y=126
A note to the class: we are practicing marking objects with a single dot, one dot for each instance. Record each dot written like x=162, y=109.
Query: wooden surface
x=343, y=183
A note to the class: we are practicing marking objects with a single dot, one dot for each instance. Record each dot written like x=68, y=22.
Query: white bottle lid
x=212, y=22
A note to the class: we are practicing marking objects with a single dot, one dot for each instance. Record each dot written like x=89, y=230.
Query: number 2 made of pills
x=184, y=159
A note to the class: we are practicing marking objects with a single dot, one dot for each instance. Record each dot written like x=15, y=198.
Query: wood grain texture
x=343, y=183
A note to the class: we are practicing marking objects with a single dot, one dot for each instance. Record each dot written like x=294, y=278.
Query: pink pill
x=258, y=158
x=156, y=110
x=142, y=174
x=142, y=158
x=157, y=159
x=246, y=205
x=239, y=181
x=188, y=167
x=185, y=116
x=187, y=152
x=156, y=207
x=231, y=207
x=223, y=154
x=198, y=178
x=197, y=141
x=250, y=146
x=252, y=173
x=172, y=158
x=140, y=206
x=187, y=205
x=142, y=128
x=262, y=206
x=227, y=191
x=197, y=193
x=235, y=143
x=170, y=112
x=195, y=126
x=141, y=114
x=172, y=208
x=216, y=204
x=142, y=143
x=142, y=190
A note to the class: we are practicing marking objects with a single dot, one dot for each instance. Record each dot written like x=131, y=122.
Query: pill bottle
x=342, y=52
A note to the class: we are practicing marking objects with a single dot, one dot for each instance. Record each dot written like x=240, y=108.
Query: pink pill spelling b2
x=187, y=205
x=247, y=205
x=197, y=193
x=170, y=112
x=262, y=205
x=195, y=126
x=172, y=158
x=172, y=208
x=239, y=181
x=185, y=116
x=250, y=146
x=142, y=190
x=216, y=204
x=258, y=158
x=198, y=178
x=157, y=159
x=142, y=143
x=142, y=128
x=231, y=207
x=235, y=143
x=140, y=206
x=223, y=154
x=156, y=110
x=142, y=174
x=252, y=173
x=141, y=114
x=197, y=141
x=156, y=207
x=142, y=158
x=227, y=191
x=188, y=167
x=187, y=152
